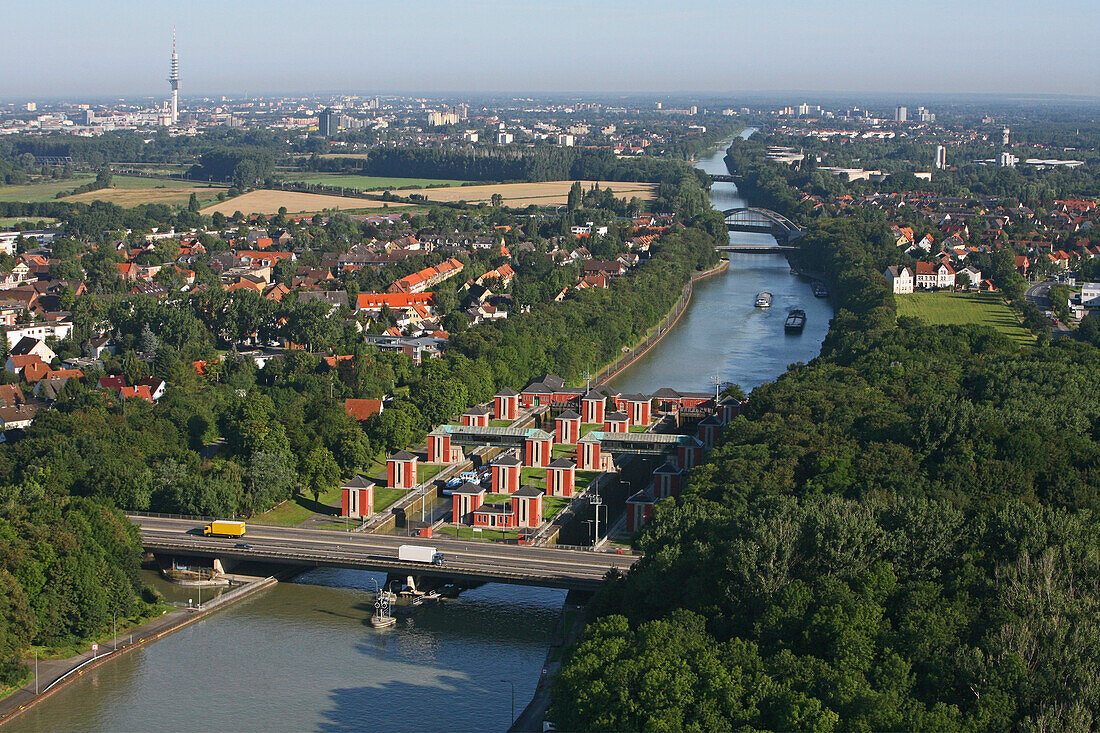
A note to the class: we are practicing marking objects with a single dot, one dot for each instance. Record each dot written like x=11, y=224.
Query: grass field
x=366, y=183
x=548, y=193
x=294, y=511
x=124, y=191
x=8, y=222
x=945, y=309
x=43, y=191
x=266, y=201
x=551, y=505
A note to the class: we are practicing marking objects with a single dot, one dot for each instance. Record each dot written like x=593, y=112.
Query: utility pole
x=597, y=502
x=36, y=671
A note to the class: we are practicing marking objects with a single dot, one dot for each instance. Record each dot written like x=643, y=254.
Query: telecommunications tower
x=174, y=80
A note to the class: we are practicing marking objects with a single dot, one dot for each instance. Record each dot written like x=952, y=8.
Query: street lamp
x=513, y=719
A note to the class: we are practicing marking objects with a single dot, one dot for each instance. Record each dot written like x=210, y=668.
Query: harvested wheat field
x=548, y=193
x=126, y=197
x=266, y=201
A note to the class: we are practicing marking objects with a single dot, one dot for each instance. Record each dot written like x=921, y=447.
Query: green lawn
x=9, y=222
x=943, y=309
x=385, y=498
x=427, y=471
x=588, y=426
x=585, y=477
x=42, y=191
x=563, y=451
x=367, y=183
x=532, y=475
x=294, y=511
x=498, y=498
x=500, y=423
x=551, y=505
x=639, y=428
x=486, y=534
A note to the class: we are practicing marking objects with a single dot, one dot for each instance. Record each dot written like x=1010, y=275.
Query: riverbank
x=56, y=674
x=666, y=324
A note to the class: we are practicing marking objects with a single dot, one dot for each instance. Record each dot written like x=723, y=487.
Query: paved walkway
x=52, y=670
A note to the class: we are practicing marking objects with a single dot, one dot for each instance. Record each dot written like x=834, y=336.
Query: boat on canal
x=383, y=618
x=796, y=321
x=820, y=291
x=764, y=299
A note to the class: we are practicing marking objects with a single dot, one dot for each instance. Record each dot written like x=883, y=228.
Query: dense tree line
x=898, y=535
x=506, y=164
x=67, y=565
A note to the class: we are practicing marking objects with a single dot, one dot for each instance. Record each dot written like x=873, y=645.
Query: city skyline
x=253, y=48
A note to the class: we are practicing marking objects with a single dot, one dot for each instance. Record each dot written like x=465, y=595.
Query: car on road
x=243, y=546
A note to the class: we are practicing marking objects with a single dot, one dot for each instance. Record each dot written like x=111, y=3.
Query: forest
x=899, y=535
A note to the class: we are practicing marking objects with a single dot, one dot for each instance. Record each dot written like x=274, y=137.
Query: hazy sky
x=90, y=48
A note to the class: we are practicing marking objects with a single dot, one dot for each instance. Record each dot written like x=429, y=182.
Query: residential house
x=900, y=279
x=30, y=345
x=933, y=275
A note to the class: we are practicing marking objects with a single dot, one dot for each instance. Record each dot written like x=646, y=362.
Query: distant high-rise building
x=803, y=110
x=32, y=106
x=1008, y=160
x=901, y=114
x=924, y=115
x=504, y=138
x=470, y=136
x=941, y=157
x=328, y=123
x=693, y=110
x=174, y=81
x=566, y=141
x=1004, y=137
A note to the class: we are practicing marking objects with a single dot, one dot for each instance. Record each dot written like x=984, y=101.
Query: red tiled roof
x=362, y=409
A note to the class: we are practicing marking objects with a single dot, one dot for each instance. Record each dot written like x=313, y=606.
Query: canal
x=301, y=656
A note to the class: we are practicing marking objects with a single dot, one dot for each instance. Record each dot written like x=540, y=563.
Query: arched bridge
x=761, y=221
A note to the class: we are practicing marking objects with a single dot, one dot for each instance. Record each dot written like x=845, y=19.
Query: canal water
x=301, y=657
x=722, y=333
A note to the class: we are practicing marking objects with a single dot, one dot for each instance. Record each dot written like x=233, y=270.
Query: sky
x=105, y=48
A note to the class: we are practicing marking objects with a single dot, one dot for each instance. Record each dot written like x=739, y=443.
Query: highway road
x=1038, y=293
x=475, y=561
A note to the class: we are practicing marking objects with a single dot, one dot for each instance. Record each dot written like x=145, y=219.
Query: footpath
x=572, y=622
x=55, y=674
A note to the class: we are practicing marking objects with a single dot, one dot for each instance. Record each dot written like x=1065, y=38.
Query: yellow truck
x=224, y=529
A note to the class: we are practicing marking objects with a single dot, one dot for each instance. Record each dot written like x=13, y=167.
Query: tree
x=319, y=471
x=193, y=203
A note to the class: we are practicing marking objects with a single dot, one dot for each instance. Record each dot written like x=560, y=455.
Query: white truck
x=417, y=553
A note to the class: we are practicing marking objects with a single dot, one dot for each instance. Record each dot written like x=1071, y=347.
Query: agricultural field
x=266, y=201
x=945, y=309
x=366, y=183
x=548, y=193
x=129, y=191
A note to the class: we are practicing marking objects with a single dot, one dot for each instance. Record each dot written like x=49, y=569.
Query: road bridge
x=761, y=221
x=720, y=178
x=472, y=561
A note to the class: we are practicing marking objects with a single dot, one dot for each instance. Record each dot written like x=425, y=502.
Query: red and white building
x=506, y=404
x=506, y=472
x=639, y=510
x=537, y=447
x=561, y=477
x=357, y=498
x=527, y=507
x=666, y=481
x=593, y=407
x=616, y=422
x=477, y=417
x=465, y=500
x=401, y=470
x=567, y=428
x=588, y=454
